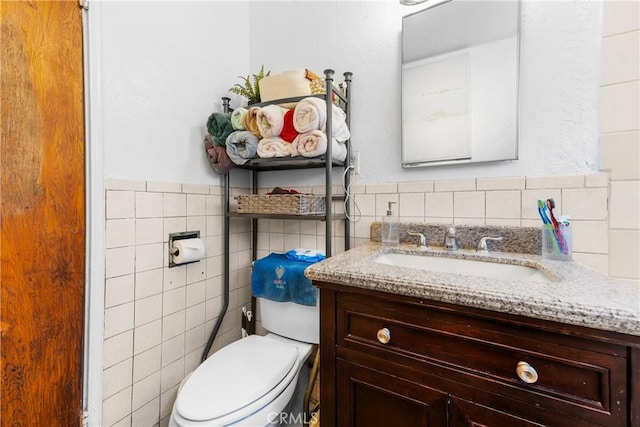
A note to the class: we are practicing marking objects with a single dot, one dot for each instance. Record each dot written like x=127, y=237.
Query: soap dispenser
x=390, y=228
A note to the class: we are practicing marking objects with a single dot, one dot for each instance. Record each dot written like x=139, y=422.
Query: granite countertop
x=573, y=295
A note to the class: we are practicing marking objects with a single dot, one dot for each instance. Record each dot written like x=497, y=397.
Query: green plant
x=250, y=88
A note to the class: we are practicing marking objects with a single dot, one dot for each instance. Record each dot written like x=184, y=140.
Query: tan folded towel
x=249, y=121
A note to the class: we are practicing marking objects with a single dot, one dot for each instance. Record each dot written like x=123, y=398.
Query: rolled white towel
x=338, y=150
x=275, y=147
x=339, y=129
x=314, y=143
x=270, y=120
x=311, y=114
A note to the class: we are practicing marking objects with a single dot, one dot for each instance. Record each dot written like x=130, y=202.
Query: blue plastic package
x=307, y=255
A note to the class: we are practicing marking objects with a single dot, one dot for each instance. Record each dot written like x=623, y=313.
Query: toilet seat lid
x=234, y=377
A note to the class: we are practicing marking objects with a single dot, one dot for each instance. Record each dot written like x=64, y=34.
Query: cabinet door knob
x=526, y=373
x=384, y=335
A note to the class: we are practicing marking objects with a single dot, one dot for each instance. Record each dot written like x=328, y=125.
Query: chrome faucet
x=422, y=241
x=450, y=242
x=482, y=244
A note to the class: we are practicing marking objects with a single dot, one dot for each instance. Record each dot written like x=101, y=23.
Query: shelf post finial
x=328, y=74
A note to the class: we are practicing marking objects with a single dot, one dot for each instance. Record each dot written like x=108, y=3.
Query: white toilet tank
x=291, y=320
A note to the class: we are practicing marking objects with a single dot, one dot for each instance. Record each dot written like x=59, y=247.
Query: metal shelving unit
x=258, y=165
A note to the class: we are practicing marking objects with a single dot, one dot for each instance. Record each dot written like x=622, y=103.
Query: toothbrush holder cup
x=557, y=242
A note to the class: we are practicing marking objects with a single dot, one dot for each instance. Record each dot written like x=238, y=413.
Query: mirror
x=460, y=83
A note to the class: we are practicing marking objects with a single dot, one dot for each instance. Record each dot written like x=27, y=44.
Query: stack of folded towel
x=274, y=131
x=270, y=121
x=310, y=120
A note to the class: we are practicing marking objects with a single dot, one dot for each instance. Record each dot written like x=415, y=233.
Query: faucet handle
x=450, y=243
x=422, y=242
x=482, y=244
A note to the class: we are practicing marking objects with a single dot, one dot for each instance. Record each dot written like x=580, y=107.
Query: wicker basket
x=289, y=84
x=287, y=204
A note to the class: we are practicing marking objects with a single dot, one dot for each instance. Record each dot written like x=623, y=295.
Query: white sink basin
x=463, y=266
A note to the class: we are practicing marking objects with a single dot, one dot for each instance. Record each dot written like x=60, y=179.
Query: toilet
x=251, y=381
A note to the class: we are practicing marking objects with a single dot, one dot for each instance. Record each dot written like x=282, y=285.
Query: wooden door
x=42, y=247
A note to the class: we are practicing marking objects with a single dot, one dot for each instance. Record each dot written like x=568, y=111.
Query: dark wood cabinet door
x=371, y=398
x=463, y=413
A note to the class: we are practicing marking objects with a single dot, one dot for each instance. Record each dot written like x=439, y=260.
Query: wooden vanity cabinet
x=389, y=360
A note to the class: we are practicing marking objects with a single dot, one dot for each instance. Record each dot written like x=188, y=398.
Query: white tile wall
x=620, y=17
x=620, y=107
x=147, y=363
x=544, y=182
x=455, y=185
x=585, y=203
x=148, y=205
x=514, y=183
x=120, y=204
x=439, y=205
x=118, y=319
x=620, y=154
x=469, y=204
x=118, y=348
x=116, y=410
x=415, y=187
x=618, y=59
x=120, y=232
x=503, y=204
x=508, y=201
x=412, y=204
x=118, y=290
x=157, y=319
x=624, y=248
x=625, y=205
x=119, y=261
x=621, y=134
x=156, y=333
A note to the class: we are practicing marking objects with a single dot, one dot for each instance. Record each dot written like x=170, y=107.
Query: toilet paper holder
x=173, y=237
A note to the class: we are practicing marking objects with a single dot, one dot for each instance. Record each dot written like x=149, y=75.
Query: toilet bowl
x=251, y=381
x=248, y=383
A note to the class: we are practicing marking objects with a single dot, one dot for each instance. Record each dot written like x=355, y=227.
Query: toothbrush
x=547, y=223
x=550, y=205
x=541, y=209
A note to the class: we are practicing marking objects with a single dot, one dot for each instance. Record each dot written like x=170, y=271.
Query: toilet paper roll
x=188, y=250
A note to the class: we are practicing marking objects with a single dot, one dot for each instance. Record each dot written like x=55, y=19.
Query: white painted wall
x=560, y=56
x=165, y=66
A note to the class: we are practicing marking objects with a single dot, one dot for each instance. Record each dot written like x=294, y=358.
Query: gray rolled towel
x=242, y=145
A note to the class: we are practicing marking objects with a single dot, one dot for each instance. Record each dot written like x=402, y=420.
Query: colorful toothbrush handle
x=556, y=230
x=550, y=206
x=541, y=212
